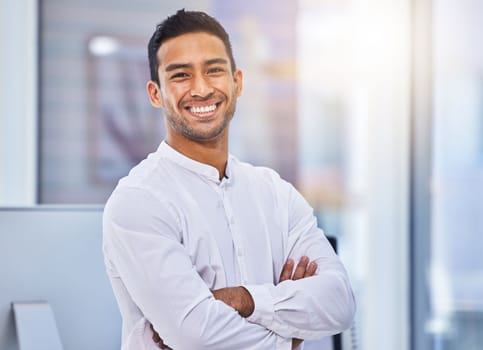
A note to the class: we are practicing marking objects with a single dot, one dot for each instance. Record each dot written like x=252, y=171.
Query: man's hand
x=304, y=269
x=241, y=300
x=157, y=339
x=238, y=298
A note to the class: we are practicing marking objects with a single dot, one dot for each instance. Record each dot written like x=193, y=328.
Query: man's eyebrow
x=175, y=66
x=216, y=61
x=209, y=62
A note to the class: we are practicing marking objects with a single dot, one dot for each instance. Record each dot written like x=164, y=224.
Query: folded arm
x=307, y=308
x=240, y=299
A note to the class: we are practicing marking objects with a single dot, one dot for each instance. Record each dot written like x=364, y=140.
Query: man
x=200, y=247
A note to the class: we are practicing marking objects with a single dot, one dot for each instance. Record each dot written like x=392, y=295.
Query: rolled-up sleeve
x=143, y=243
x=312, y=307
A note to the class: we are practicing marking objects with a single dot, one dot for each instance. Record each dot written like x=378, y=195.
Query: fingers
x=311, y=269
x=301, y=268
x=304, y=268
x=157, y=339
x=296, y=342
x=287, y=270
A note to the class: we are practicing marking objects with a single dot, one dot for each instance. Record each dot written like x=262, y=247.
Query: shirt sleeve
x=312, y=307
x=142, y=240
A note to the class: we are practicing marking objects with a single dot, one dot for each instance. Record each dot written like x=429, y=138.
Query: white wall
x=18, y=102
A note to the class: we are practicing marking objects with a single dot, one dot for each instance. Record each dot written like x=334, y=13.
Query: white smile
x=203, y=109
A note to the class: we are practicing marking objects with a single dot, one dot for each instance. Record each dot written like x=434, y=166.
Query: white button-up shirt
x=173, y=232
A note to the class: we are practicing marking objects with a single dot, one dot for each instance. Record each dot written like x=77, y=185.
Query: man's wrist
x=238, y=298
x=247, y=304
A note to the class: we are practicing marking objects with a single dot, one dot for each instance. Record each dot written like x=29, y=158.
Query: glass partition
x=455, y=268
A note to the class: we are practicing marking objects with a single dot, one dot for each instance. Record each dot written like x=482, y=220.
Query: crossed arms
x=240, y=299
x=171, y=292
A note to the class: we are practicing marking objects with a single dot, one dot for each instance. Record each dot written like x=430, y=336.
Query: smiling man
x=204, y=251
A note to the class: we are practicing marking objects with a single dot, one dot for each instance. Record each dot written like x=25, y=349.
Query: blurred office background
x=372, y=108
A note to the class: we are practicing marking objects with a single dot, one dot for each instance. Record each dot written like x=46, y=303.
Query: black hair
x=184, y=22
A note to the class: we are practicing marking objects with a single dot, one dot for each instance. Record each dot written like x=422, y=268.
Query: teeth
x=204, y=109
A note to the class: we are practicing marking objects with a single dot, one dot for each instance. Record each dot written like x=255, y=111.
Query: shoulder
x=264, y=178
x=154, y=175
x=265, y=182
x=139, y=198
x=259, y=174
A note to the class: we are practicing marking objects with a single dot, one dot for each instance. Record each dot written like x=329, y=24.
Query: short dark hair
x=184, y=22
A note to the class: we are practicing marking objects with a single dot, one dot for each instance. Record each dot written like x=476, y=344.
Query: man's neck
x=214, y=153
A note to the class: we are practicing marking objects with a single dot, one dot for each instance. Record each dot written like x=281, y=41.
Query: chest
x=234, y=234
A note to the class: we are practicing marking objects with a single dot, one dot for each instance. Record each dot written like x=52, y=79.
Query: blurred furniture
x=36, y=327
x=54, y=254
x=336, y=339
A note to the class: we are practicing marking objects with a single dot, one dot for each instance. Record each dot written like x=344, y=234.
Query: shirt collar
x=202, y=169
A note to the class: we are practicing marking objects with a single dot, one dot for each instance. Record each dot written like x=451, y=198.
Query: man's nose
x=201, y=87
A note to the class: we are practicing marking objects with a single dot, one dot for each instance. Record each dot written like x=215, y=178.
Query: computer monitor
x=54, y=254
x=328, y=343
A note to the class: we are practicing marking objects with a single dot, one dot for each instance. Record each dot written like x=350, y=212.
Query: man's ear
x=238, y=78
x=154, y=93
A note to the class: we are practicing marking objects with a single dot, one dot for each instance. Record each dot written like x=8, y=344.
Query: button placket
x=237, y=239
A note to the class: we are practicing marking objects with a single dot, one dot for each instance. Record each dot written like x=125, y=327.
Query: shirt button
x=239, y=253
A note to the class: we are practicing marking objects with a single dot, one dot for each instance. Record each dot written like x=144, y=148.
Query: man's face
x=197, y=89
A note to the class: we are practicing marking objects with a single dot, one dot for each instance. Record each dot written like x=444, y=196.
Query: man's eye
x=215, y=70
x=179, y=75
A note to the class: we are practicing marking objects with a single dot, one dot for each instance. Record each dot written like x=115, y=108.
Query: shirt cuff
x=263, y=312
